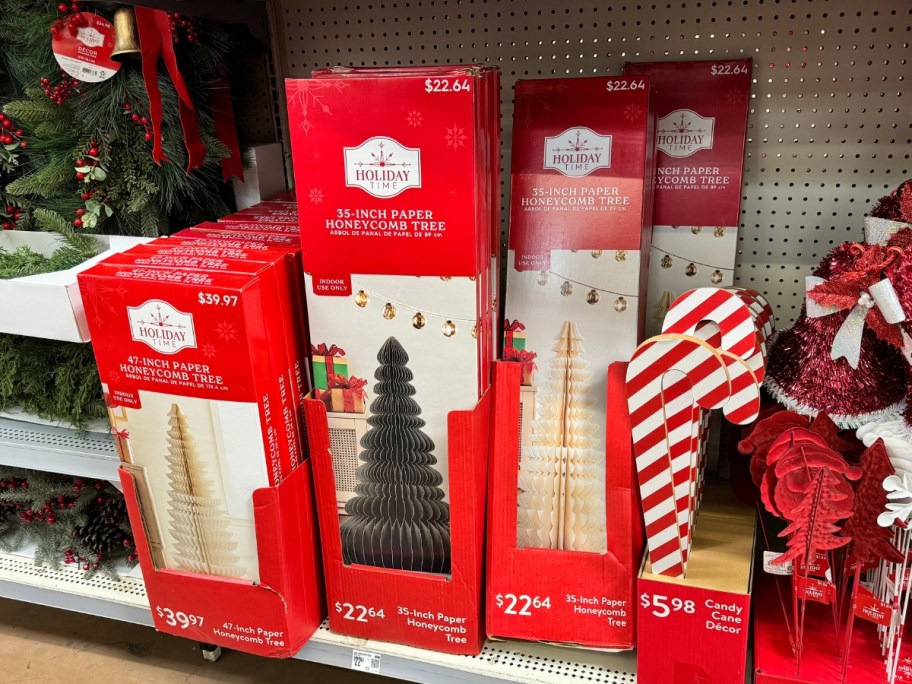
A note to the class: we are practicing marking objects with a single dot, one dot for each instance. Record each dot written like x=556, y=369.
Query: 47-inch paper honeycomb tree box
x=198, y=369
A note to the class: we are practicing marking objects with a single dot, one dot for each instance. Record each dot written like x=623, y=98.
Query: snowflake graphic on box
x=227, y=331
x=455, y=137
x=316, y=196
x=209, y=351
x=633, y=112
x=307, y=95
x=415, y=118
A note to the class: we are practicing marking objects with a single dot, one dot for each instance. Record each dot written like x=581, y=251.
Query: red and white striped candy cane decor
x=723, y=306
x=669, y=379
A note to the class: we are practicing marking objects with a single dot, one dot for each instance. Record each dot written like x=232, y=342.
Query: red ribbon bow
x=123, y=434
x=155, y=42
x=356, y=385
x=525, y=358
x=513, y=326
x=322, y=350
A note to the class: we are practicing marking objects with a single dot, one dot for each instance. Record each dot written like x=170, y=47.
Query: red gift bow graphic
x=355, y=387
x=867, y=294
x=513, y=326
x=322, y=350
x=525, y=358
x=122, y=434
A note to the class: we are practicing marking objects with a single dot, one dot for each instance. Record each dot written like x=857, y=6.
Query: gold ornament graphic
x=620, y=255
x=620, y=304
x=716, y=277
x=474, y=332
x=446, y=278
x=389, y=311
x=696, y=229
x=691, y=270
x=596, y=253
x=719, y=231
x=592, y=297
x=542, y=278
x=449, y=328
x=666, y=261
x=566, y=288
x=361, y=299
x=418, y=321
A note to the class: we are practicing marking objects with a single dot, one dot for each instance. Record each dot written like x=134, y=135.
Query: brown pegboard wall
x=829, y=129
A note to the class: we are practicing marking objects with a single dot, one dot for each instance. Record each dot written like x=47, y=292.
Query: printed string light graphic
x=594, y=294
x=449, y=327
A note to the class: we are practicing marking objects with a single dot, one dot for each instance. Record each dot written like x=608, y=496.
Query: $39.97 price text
x=179, y=618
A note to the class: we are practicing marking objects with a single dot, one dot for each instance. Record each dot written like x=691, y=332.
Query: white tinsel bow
x=847, y=342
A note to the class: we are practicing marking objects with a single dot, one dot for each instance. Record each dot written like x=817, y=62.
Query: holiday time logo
x=161, y=326
x=683, y=132
x=382, y=167
x=577, y=152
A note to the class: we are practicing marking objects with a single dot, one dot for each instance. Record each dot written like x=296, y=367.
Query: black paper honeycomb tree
x=398, y=516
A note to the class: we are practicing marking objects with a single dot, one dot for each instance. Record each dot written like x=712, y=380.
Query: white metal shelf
x=58, y=450
x=126, y=600
x=61, y=450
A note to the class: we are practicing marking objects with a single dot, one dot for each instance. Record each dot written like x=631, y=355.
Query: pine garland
x=69, y=520
x=51, y=379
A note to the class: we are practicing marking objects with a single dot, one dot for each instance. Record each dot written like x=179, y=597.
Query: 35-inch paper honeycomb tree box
x=395, y=199
x=580, y=222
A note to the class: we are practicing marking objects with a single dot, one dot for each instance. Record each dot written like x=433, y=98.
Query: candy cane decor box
x=700, y=138
x=695, y=629
x=196, y=374
x=393, y=199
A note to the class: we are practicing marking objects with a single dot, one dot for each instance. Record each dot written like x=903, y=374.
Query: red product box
x=539, y=594
x=286, y=284
x=395, y=234
x=277, y=211
x=224, y=527
x=428, y=610
x=700, y=139
x=696, y=629
x=220, y=231
x=821, y=661
x=580, y=220
x=254, y=222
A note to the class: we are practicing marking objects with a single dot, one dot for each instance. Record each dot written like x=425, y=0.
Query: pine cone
x=103, y=533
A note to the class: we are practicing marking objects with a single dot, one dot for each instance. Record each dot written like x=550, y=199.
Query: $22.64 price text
x=522, y=604
x=358, y=613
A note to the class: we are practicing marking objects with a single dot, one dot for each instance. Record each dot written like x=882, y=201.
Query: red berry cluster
x=13, y=214
x=73, y=22
x=183, y=27
x=70, y=556
x=9, y=133
x=128, y=544
x=141, y=121
x=61, y=92
x=13, y=483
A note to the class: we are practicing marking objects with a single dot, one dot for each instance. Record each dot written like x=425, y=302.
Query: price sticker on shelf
x=365, y=661
x=86, y=53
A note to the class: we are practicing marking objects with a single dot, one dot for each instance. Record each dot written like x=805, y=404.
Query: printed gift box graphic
x=327, y=361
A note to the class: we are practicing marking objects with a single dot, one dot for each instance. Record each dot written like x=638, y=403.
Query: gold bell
x=126, y=43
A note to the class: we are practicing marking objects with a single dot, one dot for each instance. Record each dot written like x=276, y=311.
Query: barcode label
x=366, y=661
